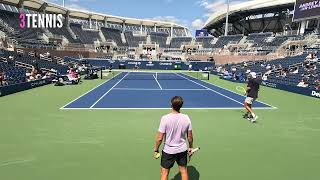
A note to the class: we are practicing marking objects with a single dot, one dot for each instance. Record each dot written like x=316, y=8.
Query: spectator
x=303, y=83
x=268, y=67
x=227, y=75
x=73, y=76
x=264, y=77
x=2, y=79
x=283, y=72
x=295, y=71
x=311, y=58
x=317, y=84
x=11, y=60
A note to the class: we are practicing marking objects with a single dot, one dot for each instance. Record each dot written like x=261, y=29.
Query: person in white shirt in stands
x=303, y=83
x=268, y=67
x=295, y=70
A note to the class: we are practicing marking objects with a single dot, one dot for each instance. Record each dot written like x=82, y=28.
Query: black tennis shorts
x=167, y=160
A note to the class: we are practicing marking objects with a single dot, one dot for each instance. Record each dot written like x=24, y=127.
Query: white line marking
x=157, y=81
x=87, y=92
x=208, y=82
x=13, y=162
x=109, y=90
x=210, y=89
x=204, y=108
x=142, y=89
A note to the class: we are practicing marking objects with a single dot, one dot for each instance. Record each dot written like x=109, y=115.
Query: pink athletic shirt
x=175, y=127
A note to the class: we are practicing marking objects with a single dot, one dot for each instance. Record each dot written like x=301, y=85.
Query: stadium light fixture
x=227, y=19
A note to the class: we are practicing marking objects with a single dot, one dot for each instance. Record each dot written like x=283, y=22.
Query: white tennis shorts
x=250, y=100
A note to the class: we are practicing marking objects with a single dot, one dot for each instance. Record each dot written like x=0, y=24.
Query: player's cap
x=253, y=75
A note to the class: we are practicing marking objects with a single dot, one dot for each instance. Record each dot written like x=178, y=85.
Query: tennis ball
x=157, y=155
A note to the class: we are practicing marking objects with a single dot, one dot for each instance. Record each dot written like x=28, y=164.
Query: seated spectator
x=264, y=77
x=303, y=83
x=311, y=58
x=73, y=76
x=317, y=84
x=11, y=60
x=284, y=72
x=227, y=75
x=294, y=71
x=268, y=67
x=3, y=79
x=32, y=75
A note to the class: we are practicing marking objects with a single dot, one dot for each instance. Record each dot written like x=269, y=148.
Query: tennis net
x=152, y=75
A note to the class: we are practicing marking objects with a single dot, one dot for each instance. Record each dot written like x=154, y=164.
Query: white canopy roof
x=40, y=5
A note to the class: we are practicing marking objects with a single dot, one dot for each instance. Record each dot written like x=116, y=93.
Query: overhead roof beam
x=43, y=7
x=20, y=3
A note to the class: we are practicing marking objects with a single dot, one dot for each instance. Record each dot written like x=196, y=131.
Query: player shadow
x=192, y=172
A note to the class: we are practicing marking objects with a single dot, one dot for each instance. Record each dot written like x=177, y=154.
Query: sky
x=190, y=13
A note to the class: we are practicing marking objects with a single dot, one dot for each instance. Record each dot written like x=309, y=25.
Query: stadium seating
x=277, y=67
x=29, y=60
x=14, y=31
x=205, y=41
x=134, y=41
x=177, y=42
x=159, y=38
x=225, y=40
x=13, y=75
x=65, y=33
x=86, y=36
x=113, y=35
x=257, y=39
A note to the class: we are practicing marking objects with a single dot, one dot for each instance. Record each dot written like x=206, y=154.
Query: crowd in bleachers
x=19, y=67
x=302, y=71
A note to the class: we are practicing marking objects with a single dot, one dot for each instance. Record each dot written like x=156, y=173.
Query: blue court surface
x=126, y=91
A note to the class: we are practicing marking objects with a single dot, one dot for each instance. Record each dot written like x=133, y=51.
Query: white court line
x=87, y=92
x=203, y=108
x=209, y=89
x=109, y=90
x=142, y=89
x=157, y=81
x=233, y=92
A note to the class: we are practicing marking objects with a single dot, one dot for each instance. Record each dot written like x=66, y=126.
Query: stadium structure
x=82, y=93
x=258, y=30
x=259, y=16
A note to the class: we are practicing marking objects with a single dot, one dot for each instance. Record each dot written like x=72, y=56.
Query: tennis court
x=153, y=90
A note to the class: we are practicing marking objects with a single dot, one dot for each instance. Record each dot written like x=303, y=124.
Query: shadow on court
x=192, y=172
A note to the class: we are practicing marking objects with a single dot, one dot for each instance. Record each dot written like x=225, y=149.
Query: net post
x=101, y=69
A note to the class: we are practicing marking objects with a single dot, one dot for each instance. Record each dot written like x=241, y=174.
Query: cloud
x=212, y=6
x=197, y=24
x=76, y=7
x=170, y=19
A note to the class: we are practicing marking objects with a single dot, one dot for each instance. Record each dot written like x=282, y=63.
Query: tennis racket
x=241, y=90
x=192, y=153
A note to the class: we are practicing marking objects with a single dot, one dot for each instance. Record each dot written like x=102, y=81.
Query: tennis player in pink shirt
x=177, y=129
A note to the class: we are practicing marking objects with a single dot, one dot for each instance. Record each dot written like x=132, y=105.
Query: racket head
x=241, y=89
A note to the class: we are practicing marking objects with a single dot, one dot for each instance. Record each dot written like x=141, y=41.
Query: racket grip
x=195, y=149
